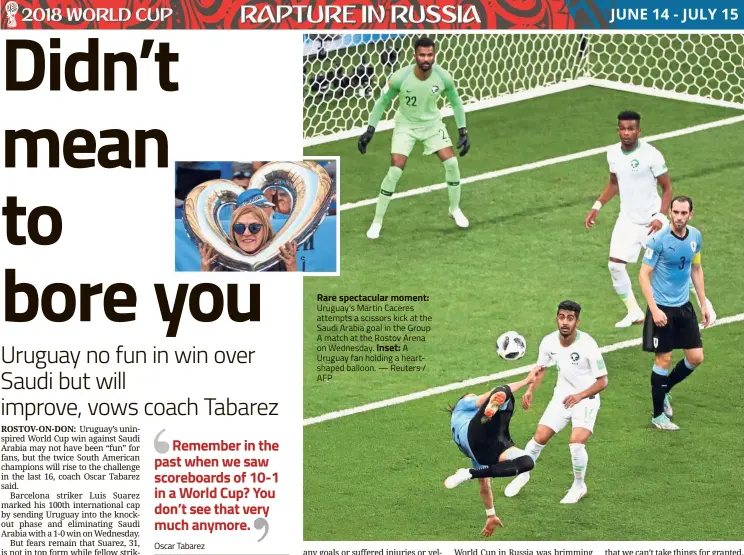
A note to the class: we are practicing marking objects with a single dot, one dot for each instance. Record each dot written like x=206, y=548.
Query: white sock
x=533, y=449
x=579, y=460
x=621, y=283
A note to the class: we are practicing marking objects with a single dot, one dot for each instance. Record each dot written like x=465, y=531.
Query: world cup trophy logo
x=11, y=9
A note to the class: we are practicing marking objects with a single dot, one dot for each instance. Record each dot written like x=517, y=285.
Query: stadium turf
x=527, y=250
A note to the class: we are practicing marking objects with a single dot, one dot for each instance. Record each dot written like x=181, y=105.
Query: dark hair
x=627, y=115
x=451, y=408
x=570, y=305
x=423, y=42
x=682, y=198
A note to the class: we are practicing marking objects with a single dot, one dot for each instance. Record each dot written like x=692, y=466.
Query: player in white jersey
x=636, y=168
x=582, y=375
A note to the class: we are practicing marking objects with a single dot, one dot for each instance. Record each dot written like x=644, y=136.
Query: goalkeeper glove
x=365, y=139
x=463, y=145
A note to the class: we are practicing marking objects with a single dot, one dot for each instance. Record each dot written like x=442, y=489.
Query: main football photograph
x=536, y=335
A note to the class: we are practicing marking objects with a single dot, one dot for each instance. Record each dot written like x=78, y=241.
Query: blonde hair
x=260, y=214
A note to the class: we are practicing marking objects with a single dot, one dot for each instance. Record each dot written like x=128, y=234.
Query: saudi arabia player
x=671, y=260
x=636, y=168
x=418, y=88
x=581, y=377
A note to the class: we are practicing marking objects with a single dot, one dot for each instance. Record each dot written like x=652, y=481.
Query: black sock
x=680, y=372
x=505, y=469
x=659, y=388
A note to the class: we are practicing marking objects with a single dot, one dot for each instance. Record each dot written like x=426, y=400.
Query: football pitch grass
x=525, y=251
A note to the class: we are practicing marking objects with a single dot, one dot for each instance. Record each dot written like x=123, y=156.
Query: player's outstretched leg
x=452, y=177
x=693, y=358
x=659, y=391
x=493, y=404
x=579, y=460
x=386, y=192
x=502, y=469
x=711, y=311
x=623, y=287
x=533, y=449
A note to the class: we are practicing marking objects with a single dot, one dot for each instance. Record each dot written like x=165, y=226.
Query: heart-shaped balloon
x=309, y=187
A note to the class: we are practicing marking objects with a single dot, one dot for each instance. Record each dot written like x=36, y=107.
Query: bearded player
x=636, y=169
x=671, y=260
x=418, y=88
x=582, y=375
x=480, y=429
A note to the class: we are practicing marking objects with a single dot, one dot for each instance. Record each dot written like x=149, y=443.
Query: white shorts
x=582, y=415
x=628, y=239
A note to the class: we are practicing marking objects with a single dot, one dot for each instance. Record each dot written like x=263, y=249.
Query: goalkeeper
x=418, y=88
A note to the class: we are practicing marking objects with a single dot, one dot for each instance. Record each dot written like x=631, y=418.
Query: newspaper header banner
x=428, y=15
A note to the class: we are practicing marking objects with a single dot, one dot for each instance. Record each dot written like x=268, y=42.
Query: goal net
x=345, y=74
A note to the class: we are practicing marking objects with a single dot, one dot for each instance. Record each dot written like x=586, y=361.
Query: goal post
x=344, y=74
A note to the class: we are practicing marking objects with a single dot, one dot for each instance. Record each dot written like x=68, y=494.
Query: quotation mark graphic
x=261, y=524
x=161, y=447
x=11, y=8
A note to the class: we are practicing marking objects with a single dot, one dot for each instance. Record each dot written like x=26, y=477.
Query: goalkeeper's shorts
x=433, y=135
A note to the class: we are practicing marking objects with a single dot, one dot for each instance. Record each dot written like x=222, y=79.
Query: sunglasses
x=239, y=229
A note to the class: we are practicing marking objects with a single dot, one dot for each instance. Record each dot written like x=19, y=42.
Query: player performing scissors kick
x=480, y=429
x=418, y=88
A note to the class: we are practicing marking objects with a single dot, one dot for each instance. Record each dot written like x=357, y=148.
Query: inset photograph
x=257, y=217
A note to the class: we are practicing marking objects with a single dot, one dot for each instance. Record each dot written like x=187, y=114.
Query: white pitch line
x=547, y=162
x=473, y=381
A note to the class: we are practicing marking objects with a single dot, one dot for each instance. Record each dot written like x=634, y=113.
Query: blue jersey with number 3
x=672, y=257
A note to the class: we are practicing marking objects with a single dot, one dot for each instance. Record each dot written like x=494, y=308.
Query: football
x=511, y=346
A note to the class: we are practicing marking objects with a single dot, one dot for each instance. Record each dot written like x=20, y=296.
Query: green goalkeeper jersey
x=417, y=99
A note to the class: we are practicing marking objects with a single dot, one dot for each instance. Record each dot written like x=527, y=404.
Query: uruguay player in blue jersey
x=672, y=257
x=480, y=429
